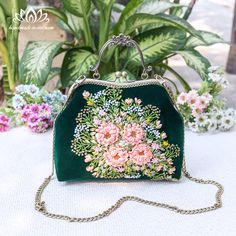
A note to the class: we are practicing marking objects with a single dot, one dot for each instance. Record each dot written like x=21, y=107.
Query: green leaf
x=102, y=2
x=111, y=77
x=140, y=19
x=156, y=6
x=117, y=7
x=11, y=7
x=3, y=23
x=182, y=81
x=196, y=61
x=36, y=61
x=72, y=26
x=208, y=39
x=155, y=44
x=76, y=62
x=77, y=7
x=53, y=72
x=129, y=10
x=56, y=12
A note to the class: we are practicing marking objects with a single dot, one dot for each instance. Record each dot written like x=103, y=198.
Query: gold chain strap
x=40, y=205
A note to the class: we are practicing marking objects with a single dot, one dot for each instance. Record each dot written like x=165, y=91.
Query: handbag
x=120, y=129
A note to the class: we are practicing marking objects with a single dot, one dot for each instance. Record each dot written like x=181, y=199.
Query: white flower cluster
x=213, y=120
x=202, y=109
x=216, y=74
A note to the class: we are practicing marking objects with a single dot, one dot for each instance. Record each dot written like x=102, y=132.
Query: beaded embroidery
x=120, y=138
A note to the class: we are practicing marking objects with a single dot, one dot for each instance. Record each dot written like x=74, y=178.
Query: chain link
x=40, y=205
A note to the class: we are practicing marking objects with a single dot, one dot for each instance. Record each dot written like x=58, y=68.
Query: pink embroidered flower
x=158, y=124
x=89, y=168
x=137, y=101
x=128, y=101
x=97, y=149
x=88, y=158
x=170, y=161
x=86, y=94
x=155, y=160
x=155, y=146
x=159, y=167
x=4, y=123
x=141, y=154
x=133, y=133
x=163, y=135
x=107, y=134
x=163, y=156
x=123, y=114
x=102, y=113
x=116, y=156
x=171, y=170
x=182, y=98
x=96, y=121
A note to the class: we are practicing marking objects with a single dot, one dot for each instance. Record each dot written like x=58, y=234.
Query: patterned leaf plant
x=160, y=28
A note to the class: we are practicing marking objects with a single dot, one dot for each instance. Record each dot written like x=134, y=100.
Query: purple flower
x=4, y=123
x=32, y=119
x=35, y=108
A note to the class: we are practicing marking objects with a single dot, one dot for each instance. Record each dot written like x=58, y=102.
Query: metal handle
x=124, y=41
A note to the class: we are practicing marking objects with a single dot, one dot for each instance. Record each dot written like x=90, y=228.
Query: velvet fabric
x=71, y=167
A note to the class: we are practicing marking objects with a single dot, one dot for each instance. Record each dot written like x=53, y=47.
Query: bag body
x=112, y=130
x=120, y=129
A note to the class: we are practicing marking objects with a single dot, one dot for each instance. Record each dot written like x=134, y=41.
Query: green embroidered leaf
x=36, y=61
x=77, y=7
x=156, y=6
x=155, y=44
x=76, y=62
x=112, y=77
x=196, y=61
x=208, y=38
x=129, y=10
x=140, y=19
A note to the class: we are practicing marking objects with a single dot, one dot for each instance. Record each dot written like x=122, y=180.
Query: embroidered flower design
x=141, y=154
x=133, y=133
x=120, y=138
x=116, y=156
x=86, y=94
x=107, y=133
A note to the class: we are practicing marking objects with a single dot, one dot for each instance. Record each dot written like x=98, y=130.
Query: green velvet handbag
x=120, y=129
